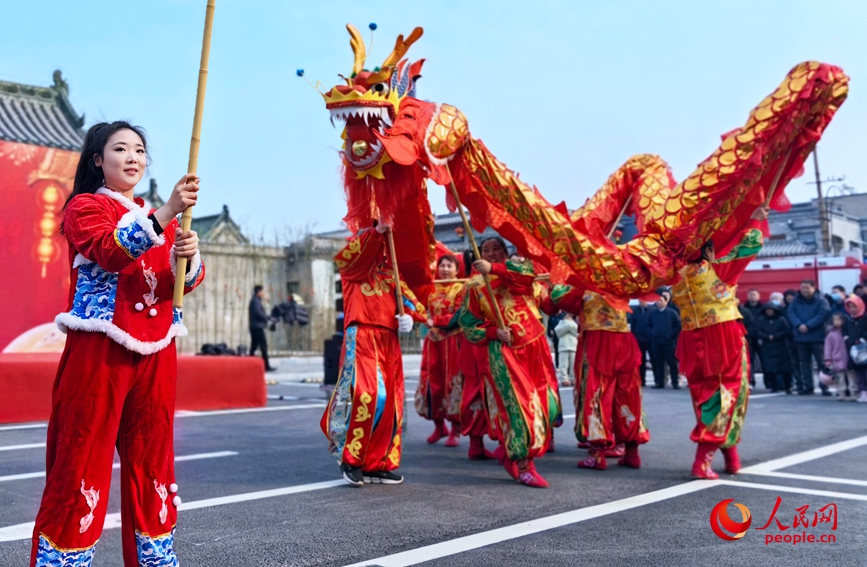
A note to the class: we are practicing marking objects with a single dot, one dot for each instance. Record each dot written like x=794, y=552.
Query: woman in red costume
x=607, y=382
x=115, y=386
x=713, y=350
x=363, y=419
x=438, y=396
x=523, y=406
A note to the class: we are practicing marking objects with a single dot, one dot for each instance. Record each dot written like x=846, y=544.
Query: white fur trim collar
x=66, y=321
x=128, y=203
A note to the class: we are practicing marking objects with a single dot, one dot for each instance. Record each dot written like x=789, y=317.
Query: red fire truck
x=769, y=276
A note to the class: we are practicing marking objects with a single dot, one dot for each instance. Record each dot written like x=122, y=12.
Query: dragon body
x=394, y=143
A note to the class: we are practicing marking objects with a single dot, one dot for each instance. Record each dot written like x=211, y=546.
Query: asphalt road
x=287, y=506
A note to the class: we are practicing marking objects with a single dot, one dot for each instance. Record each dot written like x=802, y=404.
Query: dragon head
x=369, y=102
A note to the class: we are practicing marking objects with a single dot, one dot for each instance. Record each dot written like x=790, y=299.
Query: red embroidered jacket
x=367, y=279
x=123, y=272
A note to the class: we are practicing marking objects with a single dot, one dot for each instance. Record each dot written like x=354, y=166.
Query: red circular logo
x=720, y=520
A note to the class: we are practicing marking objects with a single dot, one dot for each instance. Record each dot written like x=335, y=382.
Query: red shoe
x=631, y=457
x=550, y=448
x=441, y=431
x=596, y=460
x=527, y=474
x=508, y=464
x=616, y=451
x=454, y=434
x=583, y=445
x=733, y=460
x=477, y=450
x=701, y=468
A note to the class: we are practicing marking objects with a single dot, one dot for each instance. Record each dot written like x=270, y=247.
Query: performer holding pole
x=524, y=408
x=363, y=418
x=713, y=350
x=438, y=395
x=115, y=385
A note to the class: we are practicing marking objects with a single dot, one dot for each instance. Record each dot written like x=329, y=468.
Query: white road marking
x=194, y=457
x=569, y=416
x=757, y=396
x=112, y=521
x=189, y=413
x=27, y=426
x=475, y=541
x=812, y=478
x=798, y=458
x=185, y=413
x=467, y=543
x=18, y=447
x=795, y=489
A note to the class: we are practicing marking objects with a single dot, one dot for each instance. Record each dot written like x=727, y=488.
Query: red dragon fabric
x=393, y=142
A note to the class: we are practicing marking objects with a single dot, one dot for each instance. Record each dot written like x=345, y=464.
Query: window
x=808, y=238
x=777, y=237
x=293, y=287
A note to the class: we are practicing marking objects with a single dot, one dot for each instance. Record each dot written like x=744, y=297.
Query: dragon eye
x=381, y=88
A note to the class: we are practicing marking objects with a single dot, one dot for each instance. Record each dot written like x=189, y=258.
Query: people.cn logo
x=721, y=522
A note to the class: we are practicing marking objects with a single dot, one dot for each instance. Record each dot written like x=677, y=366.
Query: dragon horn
x=357, y=44
x=401, y=46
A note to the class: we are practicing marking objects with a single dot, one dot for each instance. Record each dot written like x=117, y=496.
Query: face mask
x=775, y=302
x=837, y=297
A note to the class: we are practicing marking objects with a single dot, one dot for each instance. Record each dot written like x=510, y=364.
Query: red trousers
x=608, y=390
x=363, y=418
x=474, y=368
x=438, y=395
x=108, y=397
x=525, y=407
x=716, y=362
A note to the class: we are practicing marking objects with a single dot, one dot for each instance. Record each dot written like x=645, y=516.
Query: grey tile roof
x=778, y=248
x=42, y=116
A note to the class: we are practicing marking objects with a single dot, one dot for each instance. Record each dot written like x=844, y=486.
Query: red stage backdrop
x=40, y=136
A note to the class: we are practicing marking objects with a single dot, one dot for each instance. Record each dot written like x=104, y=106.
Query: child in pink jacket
x=837, y=356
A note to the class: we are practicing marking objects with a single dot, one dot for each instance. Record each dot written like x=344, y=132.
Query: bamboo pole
x=192, y=164
x=393, y=254
x=539, y=278
x=620, y=216
x=469, y=230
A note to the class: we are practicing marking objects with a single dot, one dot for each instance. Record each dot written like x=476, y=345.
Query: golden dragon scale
x=711, y=204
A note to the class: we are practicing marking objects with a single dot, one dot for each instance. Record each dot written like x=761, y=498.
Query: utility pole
x=823, y=210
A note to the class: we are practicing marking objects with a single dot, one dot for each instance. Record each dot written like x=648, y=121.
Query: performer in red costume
x=523, y=406
x=115, y=386
x=607, y=383
x=474, y=395
x=438, y=396
x=713, y=350
x=363, y=419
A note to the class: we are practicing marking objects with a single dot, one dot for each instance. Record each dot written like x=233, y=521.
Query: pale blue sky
x=562, y=92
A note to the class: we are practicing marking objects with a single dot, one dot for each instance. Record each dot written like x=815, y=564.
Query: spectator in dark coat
x=749, y=324
x=666, y=293
x=855, y=331
x=664, y=324
x=836, y=299
x=553, y=321
x=788, y=297
x=258, y=323
x=773, y=332
x=639, y=324
x=808, y=315
x=755, y=307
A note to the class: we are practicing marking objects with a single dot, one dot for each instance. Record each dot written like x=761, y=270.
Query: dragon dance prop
x=195, y=139
x=394, y=142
